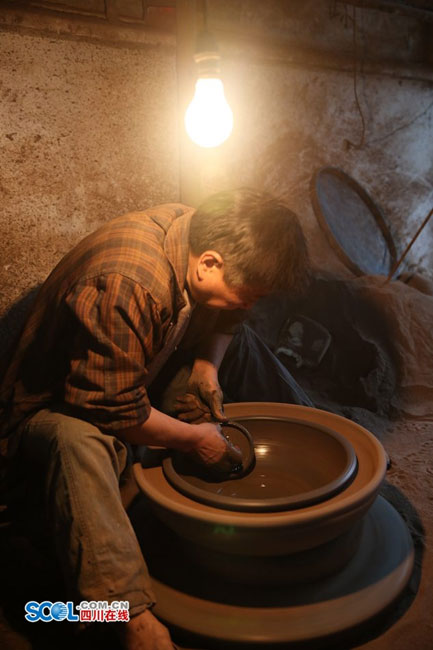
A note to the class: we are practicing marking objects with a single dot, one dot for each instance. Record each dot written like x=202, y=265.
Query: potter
x=84, y=381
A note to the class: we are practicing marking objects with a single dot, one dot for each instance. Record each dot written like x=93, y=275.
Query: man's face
x=205, y=279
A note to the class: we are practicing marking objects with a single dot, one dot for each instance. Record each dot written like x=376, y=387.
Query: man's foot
x=145, y=632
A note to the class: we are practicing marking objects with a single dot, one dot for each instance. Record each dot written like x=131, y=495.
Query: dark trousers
x=250, y=372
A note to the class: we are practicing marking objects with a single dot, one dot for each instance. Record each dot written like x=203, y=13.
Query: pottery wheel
x=288, y=472
x=224, y=613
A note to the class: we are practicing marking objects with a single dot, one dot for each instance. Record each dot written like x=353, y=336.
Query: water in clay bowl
x=276, y=532
x=297, y=464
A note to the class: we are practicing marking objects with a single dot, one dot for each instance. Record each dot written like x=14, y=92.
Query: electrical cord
x=363, y=143
x=205, y=12
x=402, y=126
x=348, y=143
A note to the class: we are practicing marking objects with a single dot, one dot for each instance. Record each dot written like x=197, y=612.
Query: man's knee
x=51, y=430
x=51, y=434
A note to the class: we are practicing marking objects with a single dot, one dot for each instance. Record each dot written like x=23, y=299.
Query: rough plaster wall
x=292, y=118
x=87, y=132
x=297, y=121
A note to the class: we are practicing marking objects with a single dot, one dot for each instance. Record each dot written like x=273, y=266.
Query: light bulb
x=209, y=118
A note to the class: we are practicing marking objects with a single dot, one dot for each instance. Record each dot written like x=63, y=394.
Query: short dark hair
x=259, y=238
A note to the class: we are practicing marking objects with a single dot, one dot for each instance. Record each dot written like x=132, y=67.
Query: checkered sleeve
x=115, y=329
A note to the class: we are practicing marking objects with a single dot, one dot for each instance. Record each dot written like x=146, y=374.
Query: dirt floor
x=410, y=446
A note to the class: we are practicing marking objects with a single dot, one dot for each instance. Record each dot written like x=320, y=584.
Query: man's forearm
x=161, y=430
x=210, y=354
x=204, y=441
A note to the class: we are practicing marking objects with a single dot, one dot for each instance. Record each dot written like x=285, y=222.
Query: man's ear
x=208, y=262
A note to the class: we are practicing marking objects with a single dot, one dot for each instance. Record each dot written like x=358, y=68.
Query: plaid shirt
x=99, y=320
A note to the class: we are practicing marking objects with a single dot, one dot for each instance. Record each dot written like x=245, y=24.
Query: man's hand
x=213, y=450
x=204, y=442
x=203, y=398
x=144, y=632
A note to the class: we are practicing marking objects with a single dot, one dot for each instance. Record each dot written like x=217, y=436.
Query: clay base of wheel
x=223, y=613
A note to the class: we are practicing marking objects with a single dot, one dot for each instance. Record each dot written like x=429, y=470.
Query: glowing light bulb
x=209, y=118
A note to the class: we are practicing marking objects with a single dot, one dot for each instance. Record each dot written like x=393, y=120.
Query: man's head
x=243, y=245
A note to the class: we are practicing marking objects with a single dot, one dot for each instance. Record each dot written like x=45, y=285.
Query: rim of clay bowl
x=244, y=468
x=359, y=493
x=274, y=504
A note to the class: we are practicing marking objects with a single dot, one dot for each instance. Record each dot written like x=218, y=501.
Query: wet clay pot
x=215, y=613
x=280, y=532
x=299, y=568
x=260, y=579
x=292, y=464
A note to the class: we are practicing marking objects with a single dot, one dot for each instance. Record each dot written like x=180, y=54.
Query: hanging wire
x=205, y=15
x=349, y=143
x=380, y=138
x=402, y=126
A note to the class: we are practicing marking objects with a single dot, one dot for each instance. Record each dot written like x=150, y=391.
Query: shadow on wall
x=12, y=322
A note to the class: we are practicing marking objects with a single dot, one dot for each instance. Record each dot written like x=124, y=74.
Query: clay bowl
x=281, y=532
x=296, y=464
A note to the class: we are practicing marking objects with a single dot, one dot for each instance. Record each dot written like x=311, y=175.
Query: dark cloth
x=250, y=372
x=100, y=319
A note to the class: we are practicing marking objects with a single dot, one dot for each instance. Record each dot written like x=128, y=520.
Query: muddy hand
x=213, y=450
x=231, y=461
x=203, y=397
x=189, y=408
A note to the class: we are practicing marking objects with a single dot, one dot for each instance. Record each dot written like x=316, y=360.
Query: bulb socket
x=207, y=56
